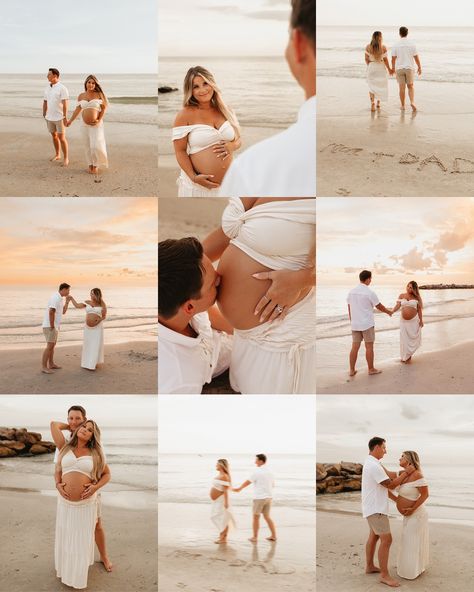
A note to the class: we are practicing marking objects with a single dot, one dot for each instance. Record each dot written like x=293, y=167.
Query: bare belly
x=92, y=320
x=89, y=116
x=206, y=162
x=215, y=493
x=409, y=313
x=403, y=503
x=74, y=485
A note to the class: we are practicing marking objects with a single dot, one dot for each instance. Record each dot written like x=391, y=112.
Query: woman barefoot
x=81, y=471
x=414, y=547
x=219, y=494
x=411, y=321
x=205, y=134
x=93, y=343
x=377, y=67
x=93, y=104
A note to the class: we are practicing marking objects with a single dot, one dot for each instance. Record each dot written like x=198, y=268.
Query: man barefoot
x=376, y=481
x=62, y=433
x=404, y=58
x=263, y=483
x=360, y=304
x=55, y=113
x=51, y=323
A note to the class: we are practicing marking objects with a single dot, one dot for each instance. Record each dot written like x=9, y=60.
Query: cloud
x=410, y=411
x=262, y=14
x=414, y=260
x=92, y=239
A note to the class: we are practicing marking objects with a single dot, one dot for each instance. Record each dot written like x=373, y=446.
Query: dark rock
x=13, y=444
x=5, y=452
x=38, y=449
x=166, y=89
x=321, y=472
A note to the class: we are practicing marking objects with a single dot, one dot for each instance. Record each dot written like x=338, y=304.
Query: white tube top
x=411, y=303
x=202, y=136
x=94, y=310
x=278, y=234
x=409, y=490
x=219, y=484
x=92, y=104
x=71, y=464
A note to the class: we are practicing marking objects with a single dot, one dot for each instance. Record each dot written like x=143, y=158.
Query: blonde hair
x=95, y=446
x=97, y=89
x=224, y=464
x=217, y=101
x=98, y=295
x=412, y=457
x=376, y=44
x=416, y=291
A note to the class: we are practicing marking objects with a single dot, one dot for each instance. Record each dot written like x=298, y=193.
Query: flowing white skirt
x=410, y=337
x=186, y=188
x=277, y=357
x=413, y=555
x=74, y=542
x=220, y=516
x=377, y=80
x=94, y=142
x=93, y=346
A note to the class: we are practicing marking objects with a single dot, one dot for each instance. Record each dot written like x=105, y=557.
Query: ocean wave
x=466, y=77
x=73, y=325
x=144, y=100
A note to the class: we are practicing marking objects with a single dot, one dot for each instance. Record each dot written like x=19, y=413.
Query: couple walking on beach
x=263, y=483
x=361, y=301
x=93, y=343
x=378, y=485
x=81, y=471
x=92, y=103
x=404, y=58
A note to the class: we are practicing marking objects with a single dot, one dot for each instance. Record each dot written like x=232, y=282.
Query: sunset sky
x=86, y=240
x=432, y=238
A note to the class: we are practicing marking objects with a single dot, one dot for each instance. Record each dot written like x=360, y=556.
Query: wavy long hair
x=416, y=292
x=97, y=89
x=224, y=465
x=376, y=44
x=95, y=447
x=217, y=101
x=413, y=458
x=98, y=295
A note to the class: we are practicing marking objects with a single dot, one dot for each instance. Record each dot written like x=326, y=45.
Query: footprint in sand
x=343, y=191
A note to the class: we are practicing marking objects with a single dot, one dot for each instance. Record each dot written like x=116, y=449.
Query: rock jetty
x=337, y=477
x=447, y=287
x=21, y=442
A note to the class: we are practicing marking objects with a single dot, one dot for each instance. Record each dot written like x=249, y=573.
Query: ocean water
x=448, y=317
x=132, y=97
x=186, y=478
x=446, y=53
x=131, y=316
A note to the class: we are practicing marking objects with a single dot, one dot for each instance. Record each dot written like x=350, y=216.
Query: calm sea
x=446, y=53
x=132, y=97
x=447, y=314
x=131, y=316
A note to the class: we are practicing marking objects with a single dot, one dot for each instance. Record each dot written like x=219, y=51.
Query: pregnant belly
x=215, y=493
x=74, y=485
x=206, y=162
x=89, y=116
x=92, y=320
x=408, y=313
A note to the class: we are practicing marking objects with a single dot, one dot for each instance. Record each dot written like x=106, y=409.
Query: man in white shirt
x=55, y=103
x=376, y=482
x=263, y=484
x=285, y=164
x=404, y=58
x=360, y=304
x=51, y=324
x=194, y=342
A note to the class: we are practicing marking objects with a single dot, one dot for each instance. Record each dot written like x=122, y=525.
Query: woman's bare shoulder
x=184, y=117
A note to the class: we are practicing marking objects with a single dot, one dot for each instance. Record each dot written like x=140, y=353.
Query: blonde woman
x=80, y=472
x=221, y=516
x=205, y=135
x=411, y=321
x=377, y=67
x=93, y=104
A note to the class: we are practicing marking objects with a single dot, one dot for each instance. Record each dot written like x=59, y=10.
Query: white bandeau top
x=219, y=484
x=412, y=303
x=71, y=464
x=409, y=490
x=202, y=136
x=93, y=309
x=278, y=234
x=92, y=104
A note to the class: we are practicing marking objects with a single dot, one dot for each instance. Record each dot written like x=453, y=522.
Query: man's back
x=404, y=50
x=362, y=300
x=263, y=482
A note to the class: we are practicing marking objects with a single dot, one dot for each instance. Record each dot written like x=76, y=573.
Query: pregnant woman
x=219, y=494
x=411, y=321
x=205, y=134
x=93, y=104
x=413, y=555
x=80, y=472
x=274, y=238
x=93, y=345
x=377, y=67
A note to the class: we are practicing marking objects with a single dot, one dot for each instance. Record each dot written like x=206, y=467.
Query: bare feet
x=372, y=569
x=220, y=541
x=374, y=371
x=413, y=107
x=390, y=582
x=402, y=107
x=65, y=163
x=352, y=372
x=55, y=367
x=47, y=371
x=56, y=157
x=107, y=564
x=372, y=107
x=378, y=104
x=91, y=172
x=272, y=539
x=253, y=540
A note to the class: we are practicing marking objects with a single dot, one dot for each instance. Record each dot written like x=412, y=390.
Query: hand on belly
x=206, y=162
x=92, y=320
x=74, y=485
x=90, y=116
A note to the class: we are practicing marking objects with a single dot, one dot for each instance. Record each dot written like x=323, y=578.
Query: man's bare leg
x=370, y=546
x=384, y=551
x=353, y=358
x=46, y=357
x=57, y=147
x=411, y=94
x=401, y=86
x=65, y=149
x=100, y=542
x=271, y=526
x=255, y=527
x=369, y=356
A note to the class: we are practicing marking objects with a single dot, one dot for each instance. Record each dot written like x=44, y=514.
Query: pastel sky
x=106, y=36
x=86, y=240
x=239, y=424
x=439, y=427
x=223, y=27
x=403, y=12
x=432, y=238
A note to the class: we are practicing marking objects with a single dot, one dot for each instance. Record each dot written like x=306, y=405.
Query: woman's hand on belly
x=62, y=492
x=92, y=320
x=89, y=489
x=404, y=504
x=90, y=117
x=208, y=163
x=74, y=485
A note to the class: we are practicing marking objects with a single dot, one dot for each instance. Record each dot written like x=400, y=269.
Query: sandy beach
x=129, y=368
x=341, y=556
x=394, y=153
x=442, y=372
x=26, y=147
x=189, y=560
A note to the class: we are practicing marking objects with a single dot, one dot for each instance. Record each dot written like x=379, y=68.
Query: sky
x=403, y=12
x=107, y=36
x=236, y=424
x=429, y=238
x=111, y=241
x=439, y=427
x=223, y=27
x=108, y=411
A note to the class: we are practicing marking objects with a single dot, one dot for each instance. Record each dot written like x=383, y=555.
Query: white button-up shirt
x=362, y=300
x=56, y=302
x=374, y=495
x=54, y=95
